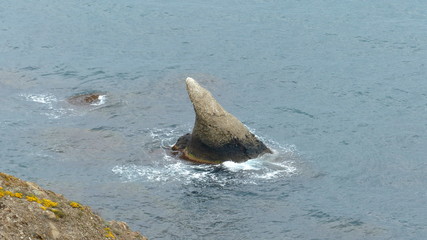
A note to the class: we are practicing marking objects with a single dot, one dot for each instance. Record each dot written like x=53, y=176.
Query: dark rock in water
x=182, y=142
x=85, y=99
x=217, y=135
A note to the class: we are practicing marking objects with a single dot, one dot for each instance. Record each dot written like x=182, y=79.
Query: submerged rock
x=217, y=135
x=29, y=212
x=86, y=99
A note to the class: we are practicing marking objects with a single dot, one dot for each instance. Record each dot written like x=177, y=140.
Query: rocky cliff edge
x=29, y=212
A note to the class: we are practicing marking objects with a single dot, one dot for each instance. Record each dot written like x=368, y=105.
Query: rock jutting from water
x=217, y=135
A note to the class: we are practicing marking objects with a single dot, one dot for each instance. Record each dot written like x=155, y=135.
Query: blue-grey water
x=337, y=88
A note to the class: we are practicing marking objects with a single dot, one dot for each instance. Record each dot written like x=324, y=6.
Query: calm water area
x=338, y=89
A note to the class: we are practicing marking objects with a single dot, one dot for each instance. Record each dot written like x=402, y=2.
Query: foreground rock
x=29, y=212
x=217, y=135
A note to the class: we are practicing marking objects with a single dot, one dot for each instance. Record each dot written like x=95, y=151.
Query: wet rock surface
x=217, y=135
x=29, y=212
x=86, y=99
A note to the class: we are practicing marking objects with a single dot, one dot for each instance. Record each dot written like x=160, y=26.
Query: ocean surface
x=338, y=89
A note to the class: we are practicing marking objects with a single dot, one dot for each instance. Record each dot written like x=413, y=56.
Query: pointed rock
x=217, y=135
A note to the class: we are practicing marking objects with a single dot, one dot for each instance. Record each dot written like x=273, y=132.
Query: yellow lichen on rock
x=9, y=193
x=30, y=212
x=32, y=199
x=109, y=233
x=48, y=203
x=18, y=195
x=76, y=205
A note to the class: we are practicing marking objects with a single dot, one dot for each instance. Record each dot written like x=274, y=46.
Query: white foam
x=172, y=172
x=162, y=167
x=102, y=100
x=50, y=102
x=40, y=98
x=54, y=107
x=245, y=166
x=186, y=173
x=169, y=168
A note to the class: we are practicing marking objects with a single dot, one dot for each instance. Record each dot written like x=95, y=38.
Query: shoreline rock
x=28, y=211
x=217, y=135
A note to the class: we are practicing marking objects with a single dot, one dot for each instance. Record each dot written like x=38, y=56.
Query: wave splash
x=51, y=110
x=269, y=167
x=54, y=108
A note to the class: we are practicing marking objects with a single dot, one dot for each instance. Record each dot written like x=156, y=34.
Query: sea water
x=338, y=90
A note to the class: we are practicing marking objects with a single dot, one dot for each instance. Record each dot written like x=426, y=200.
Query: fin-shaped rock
x=217, y=135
